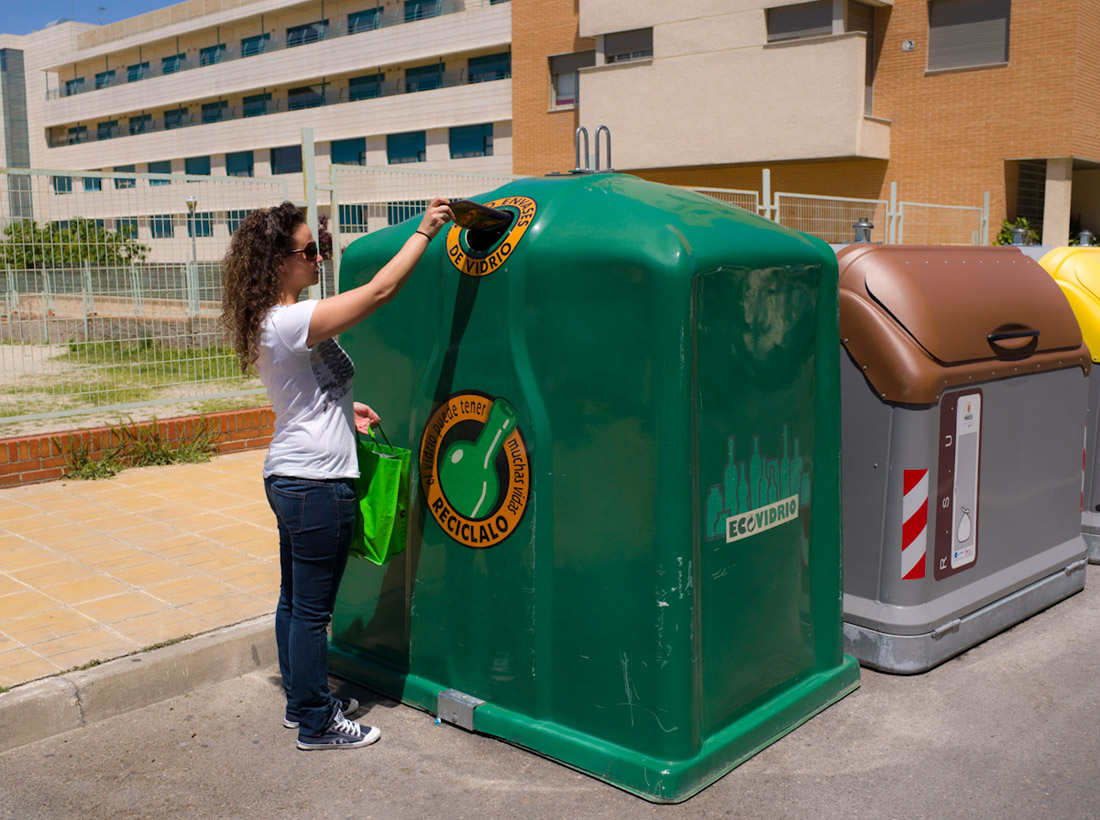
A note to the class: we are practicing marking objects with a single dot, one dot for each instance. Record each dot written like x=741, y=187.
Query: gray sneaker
x=348, y=706
x=341, y=734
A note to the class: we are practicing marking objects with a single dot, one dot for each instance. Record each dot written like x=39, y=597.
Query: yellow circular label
x=474, y=469
x=473, y=264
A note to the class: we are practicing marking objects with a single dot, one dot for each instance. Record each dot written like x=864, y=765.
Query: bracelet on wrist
x=423, y=234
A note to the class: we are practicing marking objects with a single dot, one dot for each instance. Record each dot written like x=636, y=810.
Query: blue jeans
x=315, y=525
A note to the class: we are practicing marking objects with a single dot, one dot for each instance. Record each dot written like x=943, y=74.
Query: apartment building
x=224, y=87
x=947, y=98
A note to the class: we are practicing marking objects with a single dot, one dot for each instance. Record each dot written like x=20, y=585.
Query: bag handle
x=383, y=432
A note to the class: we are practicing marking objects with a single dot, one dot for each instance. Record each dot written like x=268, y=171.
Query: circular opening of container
x=479, y=243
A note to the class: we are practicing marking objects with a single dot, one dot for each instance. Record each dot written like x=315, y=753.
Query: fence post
x=86, y=293
x=984, y=226
x=135, y=286
x=11, y=296
x=334, y=226
x=766, y=192
x=892, y=216
x=309, y=171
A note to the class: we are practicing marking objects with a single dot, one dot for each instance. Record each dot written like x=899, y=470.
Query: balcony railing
x=262, y=44
x=279, y=105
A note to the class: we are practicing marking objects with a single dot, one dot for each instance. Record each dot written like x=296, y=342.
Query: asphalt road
x=1008, y=731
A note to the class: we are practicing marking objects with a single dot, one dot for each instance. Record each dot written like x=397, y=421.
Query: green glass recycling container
x=624, y=536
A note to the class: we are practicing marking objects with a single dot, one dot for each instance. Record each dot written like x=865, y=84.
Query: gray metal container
x=964, y=395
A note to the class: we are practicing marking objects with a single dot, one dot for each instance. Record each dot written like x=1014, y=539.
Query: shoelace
x=347, y=727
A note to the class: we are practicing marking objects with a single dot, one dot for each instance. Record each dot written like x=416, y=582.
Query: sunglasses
x=309, y=250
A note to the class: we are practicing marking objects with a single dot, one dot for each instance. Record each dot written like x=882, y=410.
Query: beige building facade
x=225, y=87
x=949, y=99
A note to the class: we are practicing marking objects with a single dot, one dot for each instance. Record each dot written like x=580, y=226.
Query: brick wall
x=542, y=140
x=41, y=457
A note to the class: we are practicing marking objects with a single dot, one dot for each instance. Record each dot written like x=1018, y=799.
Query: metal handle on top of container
x=577, y=147
x=1013, y=341
x=607, y=131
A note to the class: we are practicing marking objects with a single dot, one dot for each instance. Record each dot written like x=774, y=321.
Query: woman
x=311, y=462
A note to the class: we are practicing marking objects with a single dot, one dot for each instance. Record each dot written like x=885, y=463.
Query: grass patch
x=4, y=689
x=148, y=362
x=136, y=445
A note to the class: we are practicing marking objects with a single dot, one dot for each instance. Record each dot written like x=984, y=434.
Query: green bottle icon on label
x=467, y=475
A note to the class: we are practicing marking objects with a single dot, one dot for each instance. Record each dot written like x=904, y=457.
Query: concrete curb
x=48, y=707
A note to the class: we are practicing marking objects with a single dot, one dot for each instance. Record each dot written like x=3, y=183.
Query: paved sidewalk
x=93, y=570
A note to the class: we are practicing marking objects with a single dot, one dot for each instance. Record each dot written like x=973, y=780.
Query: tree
x=28, y=247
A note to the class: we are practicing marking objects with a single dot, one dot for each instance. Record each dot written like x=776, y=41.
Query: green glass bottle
x=467, y=475
x=731, y=479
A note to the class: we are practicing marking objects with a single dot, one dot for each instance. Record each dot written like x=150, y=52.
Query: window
x=212, y=54
x=353, y=218
x=308, y=33
x=349, y=152
x=108, y=129
x=967, y=33
x=400, y=211
x=162, y=167
x=800, y=20
x=286, y=160
x=472, y=141
x=308, y=96
x=565, y=76
x=201, y=224
x=62, y=185
x=124, y=182
x=170, y=65
x=127, y=226
x=256, y=105
x=213, y=112
x=363, y=20
x=424, y=78
x=141, y=124
x=623, y=46
x=74, y=86
x=78, y=133
x=161, y=226
x=239, y=164
x=197, y=166
x=408, y=147
x=489, y=67
x=93, y=183
x=233, y=219
x=104, y=79
x=420, y=9
x=136, y=72
x=173, y=118
x=365, y=88
x=254, y=45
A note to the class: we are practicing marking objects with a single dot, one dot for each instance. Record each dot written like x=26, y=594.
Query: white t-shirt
x=310, y=392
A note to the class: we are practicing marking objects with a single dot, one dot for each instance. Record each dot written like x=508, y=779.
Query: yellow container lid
x=1077, y=272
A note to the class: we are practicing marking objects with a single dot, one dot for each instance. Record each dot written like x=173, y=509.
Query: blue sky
x=24, y=16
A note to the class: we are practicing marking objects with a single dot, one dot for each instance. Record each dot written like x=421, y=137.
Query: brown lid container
x=919, y=319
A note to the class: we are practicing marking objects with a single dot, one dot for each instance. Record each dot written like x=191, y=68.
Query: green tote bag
x=383, y=493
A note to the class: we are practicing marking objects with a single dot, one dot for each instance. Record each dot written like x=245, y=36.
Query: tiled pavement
x=92, y=570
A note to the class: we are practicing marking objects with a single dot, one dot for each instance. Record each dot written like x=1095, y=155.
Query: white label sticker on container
x=968, y=417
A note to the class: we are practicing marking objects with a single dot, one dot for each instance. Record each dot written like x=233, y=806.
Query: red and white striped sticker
x=914, y=527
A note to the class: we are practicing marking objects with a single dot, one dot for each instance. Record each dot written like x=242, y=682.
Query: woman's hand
x=365, y=418
x=437, y=215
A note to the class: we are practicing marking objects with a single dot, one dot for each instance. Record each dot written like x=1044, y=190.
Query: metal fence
x=110, y=291
x=830, y=218
x=920, y=223
x=749, y=200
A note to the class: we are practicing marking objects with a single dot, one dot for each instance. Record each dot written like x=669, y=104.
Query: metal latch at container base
x=458, y=708
x=1076, y=566
x=946, y=629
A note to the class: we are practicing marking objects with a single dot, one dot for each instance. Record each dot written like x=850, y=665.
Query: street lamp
x=192, y=273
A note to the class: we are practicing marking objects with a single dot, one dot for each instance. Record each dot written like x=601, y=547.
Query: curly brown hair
x=250, y=274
